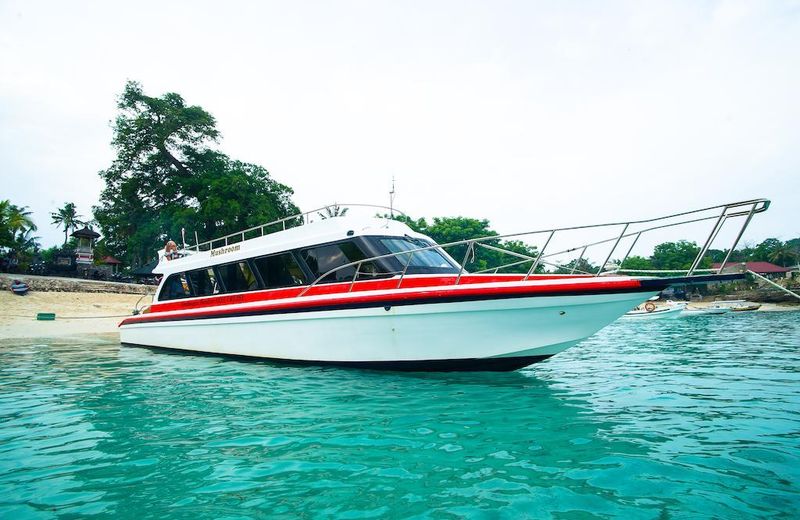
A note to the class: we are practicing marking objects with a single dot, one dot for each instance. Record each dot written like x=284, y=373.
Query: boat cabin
x=300, y=256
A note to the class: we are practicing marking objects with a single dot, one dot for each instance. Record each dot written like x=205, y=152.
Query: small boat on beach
x=738, y=305
x=370, y=292
x=746, y=308
x=703, y=311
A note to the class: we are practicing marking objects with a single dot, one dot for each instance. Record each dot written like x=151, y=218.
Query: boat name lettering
x=226, y=249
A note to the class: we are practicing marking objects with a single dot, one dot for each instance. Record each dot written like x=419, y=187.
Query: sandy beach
x=76, y=313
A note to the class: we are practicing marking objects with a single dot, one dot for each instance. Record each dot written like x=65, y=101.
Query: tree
x=576, y=266
x=333, y=211
x=769, y=250
x=16, y=225
x=676, y=255
x=637, y=263
x=783, y=254
x=445, y=230
x=67, y=217
x=166, y=177
x=793, y=246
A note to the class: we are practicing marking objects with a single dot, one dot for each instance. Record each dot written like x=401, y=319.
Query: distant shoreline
x=76, y=285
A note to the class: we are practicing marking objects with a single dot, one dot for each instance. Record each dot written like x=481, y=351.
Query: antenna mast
x=391, y=199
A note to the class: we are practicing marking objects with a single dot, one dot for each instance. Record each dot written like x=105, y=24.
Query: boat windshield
x=428, y=261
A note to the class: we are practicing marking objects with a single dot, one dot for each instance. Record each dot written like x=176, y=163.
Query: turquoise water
x=689, y=418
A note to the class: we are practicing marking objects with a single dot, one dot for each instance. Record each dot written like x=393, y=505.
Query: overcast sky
x=530, y=114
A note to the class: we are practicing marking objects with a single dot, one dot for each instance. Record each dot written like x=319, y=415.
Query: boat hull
x=658, y=314
x=704, y=311
x=500, y=334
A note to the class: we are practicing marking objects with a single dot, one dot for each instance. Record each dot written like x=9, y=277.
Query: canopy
x=86, y=232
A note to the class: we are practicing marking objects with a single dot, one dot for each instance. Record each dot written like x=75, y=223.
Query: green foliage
x=17, y=227
x=49, y=255
x=581, y=266
x=165, y=178
x=637, y=263
x=453, y=229
x=333, y=211
x=676, y=255
x=445, y=230
x=67, y=217
x=771, y=250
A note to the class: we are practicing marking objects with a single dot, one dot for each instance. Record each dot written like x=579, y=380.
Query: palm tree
x=67, y=217
x=784, y=255
x=26, y=241
x=14, y=220
x=333, y=211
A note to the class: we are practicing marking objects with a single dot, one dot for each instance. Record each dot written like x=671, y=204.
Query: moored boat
x=738, y=305
x=701, y=311
x=745, y=308
x=371, y=292
x=654, y=313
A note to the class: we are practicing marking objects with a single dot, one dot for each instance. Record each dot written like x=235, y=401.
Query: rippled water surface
x=687, y=418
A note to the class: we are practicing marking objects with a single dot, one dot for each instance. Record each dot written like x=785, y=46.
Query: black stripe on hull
x=389, y=303
x=663, y=283
x=495, y=364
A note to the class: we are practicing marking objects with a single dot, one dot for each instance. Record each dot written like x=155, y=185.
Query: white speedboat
x=370, y=292
x=654, y=312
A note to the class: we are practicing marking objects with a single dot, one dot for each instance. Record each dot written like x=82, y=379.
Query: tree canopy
x=454, y=229
x=16, y=227
x=166, y=177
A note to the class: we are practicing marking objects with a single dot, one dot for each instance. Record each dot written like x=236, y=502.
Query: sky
x=530, y=114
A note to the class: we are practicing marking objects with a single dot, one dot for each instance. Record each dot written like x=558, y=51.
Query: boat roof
x=319, y=232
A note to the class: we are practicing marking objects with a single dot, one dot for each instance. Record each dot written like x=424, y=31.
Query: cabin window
x=237, y=277
x=279, y=271
x=322, y=259
x=176, y=286
x=430, y=259
x=203, y=282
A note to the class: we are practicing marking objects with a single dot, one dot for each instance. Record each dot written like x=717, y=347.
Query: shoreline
x=765, y=307
x=77, y=313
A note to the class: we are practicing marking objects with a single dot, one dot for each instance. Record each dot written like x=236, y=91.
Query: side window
x=176, y=286
x=280, y=271
x=203, y=282
x=324, y=258
x=237, y=277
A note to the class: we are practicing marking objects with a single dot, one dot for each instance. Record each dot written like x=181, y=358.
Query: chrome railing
x=720, y=214
x=280, y=225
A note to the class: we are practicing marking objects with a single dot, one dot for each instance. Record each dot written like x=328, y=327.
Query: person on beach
x=19, y=288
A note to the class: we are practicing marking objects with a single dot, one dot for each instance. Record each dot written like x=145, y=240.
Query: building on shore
x=765, y=269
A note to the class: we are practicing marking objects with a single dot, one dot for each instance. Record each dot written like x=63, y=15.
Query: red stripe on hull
x=218, y=309
x=409, y=282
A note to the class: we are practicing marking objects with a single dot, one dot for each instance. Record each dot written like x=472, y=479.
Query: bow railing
x=633, y=229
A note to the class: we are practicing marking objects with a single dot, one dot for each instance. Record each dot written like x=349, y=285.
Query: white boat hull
x=464, y=335
x=658, y=314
